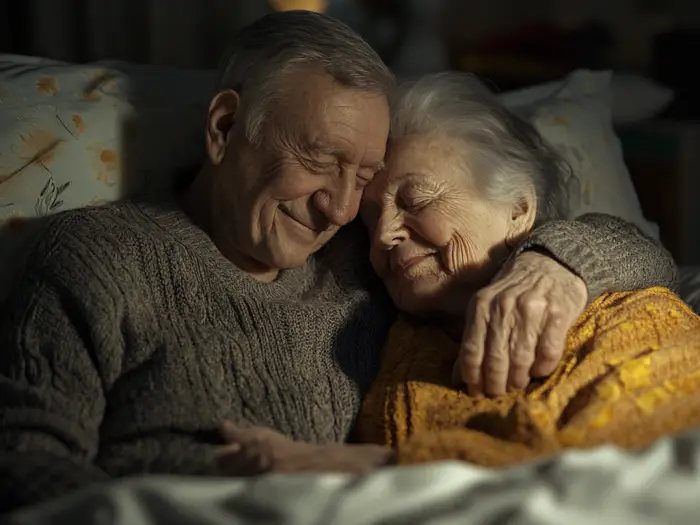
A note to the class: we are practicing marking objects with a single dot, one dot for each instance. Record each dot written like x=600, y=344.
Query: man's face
x=321, y=144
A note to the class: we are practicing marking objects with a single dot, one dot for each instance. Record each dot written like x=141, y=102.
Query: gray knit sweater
x=130, y=338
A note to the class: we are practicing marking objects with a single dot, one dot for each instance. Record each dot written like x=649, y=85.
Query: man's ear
x=523, y=216
x=221, y=118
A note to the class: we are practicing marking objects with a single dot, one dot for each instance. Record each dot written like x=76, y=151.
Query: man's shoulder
x=109, y=239
x=95, y=226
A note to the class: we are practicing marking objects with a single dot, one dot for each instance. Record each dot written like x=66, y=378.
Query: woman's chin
x=417, y=297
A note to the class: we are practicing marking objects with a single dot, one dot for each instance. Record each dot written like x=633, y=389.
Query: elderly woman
x=466, y=183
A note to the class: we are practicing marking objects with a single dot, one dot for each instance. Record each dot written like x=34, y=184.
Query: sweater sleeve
x=51, y=398
x=64, y=339
x=608, y=253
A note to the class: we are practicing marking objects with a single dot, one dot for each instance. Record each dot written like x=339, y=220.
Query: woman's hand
x=516, y=327
x=258, y=450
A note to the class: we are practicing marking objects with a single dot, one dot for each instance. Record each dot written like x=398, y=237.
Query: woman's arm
x=608, y=253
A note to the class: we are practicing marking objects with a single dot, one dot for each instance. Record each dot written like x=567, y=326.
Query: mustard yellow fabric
x=630, y=374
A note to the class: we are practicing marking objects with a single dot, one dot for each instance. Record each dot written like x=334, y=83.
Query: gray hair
x=262, y=53
x=505, y=153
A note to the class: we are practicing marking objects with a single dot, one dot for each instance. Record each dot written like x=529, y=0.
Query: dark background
x=510, y=43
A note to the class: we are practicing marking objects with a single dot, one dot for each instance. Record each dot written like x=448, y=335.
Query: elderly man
x=137, y=329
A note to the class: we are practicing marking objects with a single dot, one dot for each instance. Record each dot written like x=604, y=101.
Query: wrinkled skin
x=438, y=242
x=516, y=327
x=269, y=206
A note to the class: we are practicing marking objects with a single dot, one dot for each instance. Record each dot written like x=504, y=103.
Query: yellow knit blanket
x=630, y=375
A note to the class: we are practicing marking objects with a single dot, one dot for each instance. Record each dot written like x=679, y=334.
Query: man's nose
x=340, y=201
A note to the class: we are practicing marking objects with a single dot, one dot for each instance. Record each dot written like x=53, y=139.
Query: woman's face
x=435, y=239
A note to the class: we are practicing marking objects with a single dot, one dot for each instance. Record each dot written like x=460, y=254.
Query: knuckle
x=471, y=352
x=496, y=365
x=482, y=298
x=501, y=304
x=521, y=357
x=532, y=302
x=550, y=353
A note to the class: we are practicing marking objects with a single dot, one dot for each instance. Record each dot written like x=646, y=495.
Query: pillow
x=634, y=98
x=575, y=117
x=79, y=135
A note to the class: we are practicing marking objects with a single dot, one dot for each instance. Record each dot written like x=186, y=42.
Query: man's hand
x=516, y=327
x=257, y=450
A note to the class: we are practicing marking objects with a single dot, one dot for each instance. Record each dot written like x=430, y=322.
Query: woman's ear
x=522, y=217
x=221, y=118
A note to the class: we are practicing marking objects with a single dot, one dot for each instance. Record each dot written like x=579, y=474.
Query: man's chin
x=287, y=257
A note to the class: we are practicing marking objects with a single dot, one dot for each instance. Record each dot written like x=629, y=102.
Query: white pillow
x=575, y=117
x=634, y=98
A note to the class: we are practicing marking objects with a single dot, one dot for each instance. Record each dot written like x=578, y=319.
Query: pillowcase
x=79, y=135
x=575, y=118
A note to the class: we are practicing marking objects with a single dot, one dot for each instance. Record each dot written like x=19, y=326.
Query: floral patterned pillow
x=74, y=136
x=576, y=118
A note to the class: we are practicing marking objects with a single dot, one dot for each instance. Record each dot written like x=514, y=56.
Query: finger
x=226, y=450
x=528, y=324
x=550, y=346
x=471, y=355
x=496, y=351
x=229, y=432
x=243, y=463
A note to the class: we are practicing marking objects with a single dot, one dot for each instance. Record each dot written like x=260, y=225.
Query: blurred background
x=509, y=43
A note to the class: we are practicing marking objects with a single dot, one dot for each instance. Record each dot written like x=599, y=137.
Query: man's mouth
x=305, y=224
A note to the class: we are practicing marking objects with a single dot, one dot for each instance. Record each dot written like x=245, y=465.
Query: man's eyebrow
x=324, y=148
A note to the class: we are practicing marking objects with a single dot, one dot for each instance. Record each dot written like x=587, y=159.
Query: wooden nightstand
x=664, y=161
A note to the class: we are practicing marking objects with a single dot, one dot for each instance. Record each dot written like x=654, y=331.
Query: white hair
x=505, y=154
x=263, y=53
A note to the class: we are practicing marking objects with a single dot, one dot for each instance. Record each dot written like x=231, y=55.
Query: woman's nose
x=390, y=232
x=340, y=201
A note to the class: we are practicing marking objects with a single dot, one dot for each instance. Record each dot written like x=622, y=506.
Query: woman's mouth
x=405, y=264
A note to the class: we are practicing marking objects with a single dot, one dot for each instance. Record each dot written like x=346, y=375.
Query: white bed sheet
x=660, y=485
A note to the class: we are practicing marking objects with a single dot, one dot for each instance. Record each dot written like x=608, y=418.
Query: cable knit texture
x=130, y=338
x=630, y=375
x=609, y=254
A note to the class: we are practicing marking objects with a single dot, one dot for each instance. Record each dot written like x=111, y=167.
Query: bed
x=78, y=135
x=605, y=486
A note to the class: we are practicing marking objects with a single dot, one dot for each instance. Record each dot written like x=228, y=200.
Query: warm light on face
x=319, y=6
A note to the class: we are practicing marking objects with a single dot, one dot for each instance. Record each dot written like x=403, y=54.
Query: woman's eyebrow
x=418, y=178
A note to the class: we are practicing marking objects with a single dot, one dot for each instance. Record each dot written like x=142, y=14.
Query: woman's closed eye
x=412, y=201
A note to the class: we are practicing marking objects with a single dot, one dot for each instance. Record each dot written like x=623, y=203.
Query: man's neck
x=195, y=201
